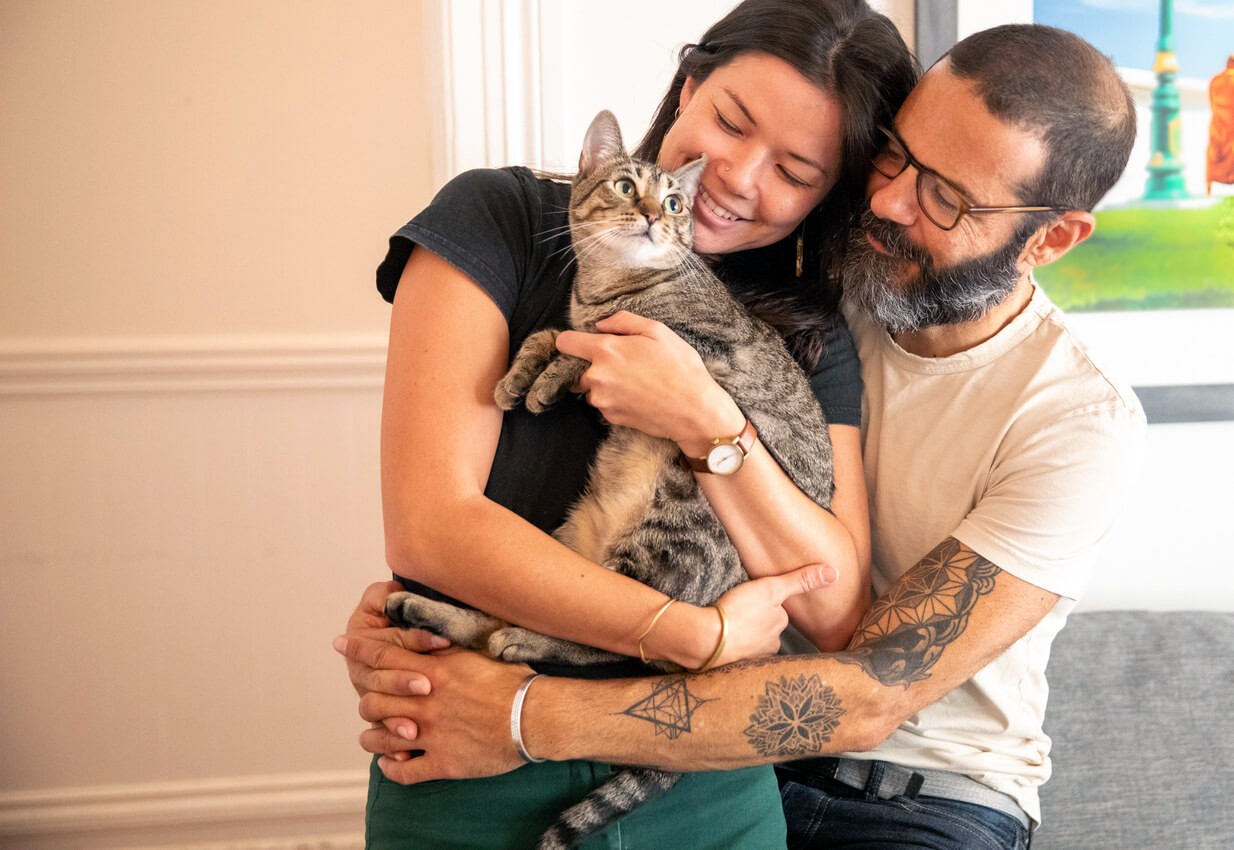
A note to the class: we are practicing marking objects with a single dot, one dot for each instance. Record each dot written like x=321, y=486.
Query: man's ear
x=1057, y=238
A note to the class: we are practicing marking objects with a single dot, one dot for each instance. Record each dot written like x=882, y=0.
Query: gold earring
x=801, y=249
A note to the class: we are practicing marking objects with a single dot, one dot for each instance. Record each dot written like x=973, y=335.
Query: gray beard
x=963, y=292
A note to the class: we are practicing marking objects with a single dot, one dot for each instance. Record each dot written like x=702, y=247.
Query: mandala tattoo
x=908, y=627
x=795, y=717
x=669, y=708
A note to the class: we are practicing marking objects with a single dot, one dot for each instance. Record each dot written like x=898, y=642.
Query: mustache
x=892, y=237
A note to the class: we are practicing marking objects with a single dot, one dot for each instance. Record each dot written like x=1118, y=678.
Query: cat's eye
x=674, y=205
x=623, y=187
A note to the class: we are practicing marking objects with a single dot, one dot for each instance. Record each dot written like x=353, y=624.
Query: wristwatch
x=726, y=455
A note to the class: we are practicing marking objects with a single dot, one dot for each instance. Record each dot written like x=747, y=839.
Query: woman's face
x=772, y=139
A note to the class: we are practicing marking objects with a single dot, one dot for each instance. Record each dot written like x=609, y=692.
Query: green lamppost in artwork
x=1165, y=168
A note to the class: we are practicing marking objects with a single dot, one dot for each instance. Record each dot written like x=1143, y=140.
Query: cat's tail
x=625, y=792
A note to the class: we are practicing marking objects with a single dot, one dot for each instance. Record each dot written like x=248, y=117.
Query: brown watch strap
x=744, y=441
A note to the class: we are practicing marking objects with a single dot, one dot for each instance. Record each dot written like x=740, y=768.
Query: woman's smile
x=772, y=139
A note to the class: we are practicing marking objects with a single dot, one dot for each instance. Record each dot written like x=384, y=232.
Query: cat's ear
x=602, y=142
x=689, y=175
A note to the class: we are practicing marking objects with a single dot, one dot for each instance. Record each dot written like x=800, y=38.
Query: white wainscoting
x=184, y=526
x=259, y=813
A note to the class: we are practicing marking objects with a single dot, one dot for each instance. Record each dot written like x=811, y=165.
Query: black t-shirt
x=506, y=229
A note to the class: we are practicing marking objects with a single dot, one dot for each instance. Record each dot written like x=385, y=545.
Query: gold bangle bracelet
x=646, y=632
x=715, y=656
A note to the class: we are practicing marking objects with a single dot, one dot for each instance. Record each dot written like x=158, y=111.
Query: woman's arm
x=776, y=527
x=448, y=347
x=645, y=376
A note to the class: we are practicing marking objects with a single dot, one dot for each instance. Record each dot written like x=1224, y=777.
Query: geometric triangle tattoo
x=669, y=707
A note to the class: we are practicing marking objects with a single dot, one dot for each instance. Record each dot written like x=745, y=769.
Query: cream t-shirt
x=1022, y=448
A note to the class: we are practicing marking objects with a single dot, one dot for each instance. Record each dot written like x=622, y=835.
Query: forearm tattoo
x=910, y=625
x=900, y=640
x=669, y=707
x=794, y=718
x=795, y=715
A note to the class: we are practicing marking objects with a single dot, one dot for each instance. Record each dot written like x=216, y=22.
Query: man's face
x=902, y=289
x=903, y=269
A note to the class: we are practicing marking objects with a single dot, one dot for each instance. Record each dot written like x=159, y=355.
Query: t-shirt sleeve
x=1054, y=496
x=837, y=379
x=480, y=222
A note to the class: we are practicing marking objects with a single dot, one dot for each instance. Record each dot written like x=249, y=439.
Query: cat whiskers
x=552, y=233
x=595, y=241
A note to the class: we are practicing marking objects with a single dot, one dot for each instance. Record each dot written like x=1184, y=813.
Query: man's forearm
x=746, y=713
x=944, y=620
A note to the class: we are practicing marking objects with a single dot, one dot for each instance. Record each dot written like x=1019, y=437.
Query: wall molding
x=212, y=364
x=234, y=809
x=488, y=86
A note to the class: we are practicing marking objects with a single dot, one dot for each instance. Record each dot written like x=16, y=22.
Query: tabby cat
x=632, y=233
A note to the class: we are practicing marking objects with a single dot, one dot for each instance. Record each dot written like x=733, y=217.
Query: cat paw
x=508, y=393
x=515, y=645
x=394, y=610
x=405, y=611
x=540, y=399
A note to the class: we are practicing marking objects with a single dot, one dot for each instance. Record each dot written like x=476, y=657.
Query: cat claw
x=507, y=396
x=536, y=404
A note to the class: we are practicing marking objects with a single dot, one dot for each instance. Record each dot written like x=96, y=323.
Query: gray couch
x=1139, y=712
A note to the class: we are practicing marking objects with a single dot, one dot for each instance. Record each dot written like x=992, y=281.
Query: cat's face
x=626, y=212
x=773, y=142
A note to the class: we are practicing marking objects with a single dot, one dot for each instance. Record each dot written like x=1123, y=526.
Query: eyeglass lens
x=941, y=204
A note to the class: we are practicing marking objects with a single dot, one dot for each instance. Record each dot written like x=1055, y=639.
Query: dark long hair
x=855, y=54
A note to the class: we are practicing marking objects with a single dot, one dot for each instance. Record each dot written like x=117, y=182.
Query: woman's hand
x=369, y=621
x=644, y=376
x=755, y=613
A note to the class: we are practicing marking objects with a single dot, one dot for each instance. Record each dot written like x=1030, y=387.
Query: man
x=996, y=453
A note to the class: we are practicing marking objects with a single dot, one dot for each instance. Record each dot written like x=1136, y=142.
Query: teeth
x=716, y=208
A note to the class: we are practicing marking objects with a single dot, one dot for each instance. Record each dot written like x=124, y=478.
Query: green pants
x=733, y=810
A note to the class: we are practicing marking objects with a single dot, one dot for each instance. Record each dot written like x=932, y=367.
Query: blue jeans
x=827, y=814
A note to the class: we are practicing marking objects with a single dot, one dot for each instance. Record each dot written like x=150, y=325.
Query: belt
x=885, y=780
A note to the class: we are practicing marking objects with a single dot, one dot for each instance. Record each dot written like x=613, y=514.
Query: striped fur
x=642, y=514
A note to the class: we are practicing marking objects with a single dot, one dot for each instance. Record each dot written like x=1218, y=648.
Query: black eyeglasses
x=942, y=203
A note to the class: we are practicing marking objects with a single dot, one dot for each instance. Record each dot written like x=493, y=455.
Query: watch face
x=725, y=459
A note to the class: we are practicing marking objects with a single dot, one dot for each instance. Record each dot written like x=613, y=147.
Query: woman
x=784, y=96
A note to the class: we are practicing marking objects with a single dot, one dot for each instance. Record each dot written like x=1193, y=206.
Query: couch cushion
x=1139, y=712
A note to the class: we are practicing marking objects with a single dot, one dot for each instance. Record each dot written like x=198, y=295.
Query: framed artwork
x=1154, y=285
x=1165, y=234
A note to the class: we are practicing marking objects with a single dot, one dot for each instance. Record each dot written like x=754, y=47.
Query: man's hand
x=369, y=620
x=460, y=725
